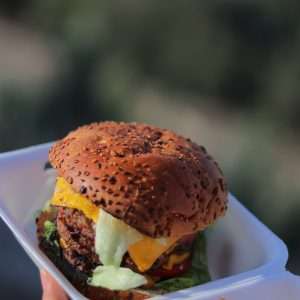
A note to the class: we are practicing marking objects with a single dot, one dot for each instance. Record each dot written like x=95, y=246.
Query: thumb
x=51, y=289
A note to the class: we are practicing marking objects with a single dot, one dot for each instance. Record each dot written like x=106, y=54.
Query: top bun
x=156, y=181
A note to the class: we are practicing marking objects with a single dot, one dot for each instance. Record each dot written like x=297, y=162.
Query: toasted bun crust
x=156, y=181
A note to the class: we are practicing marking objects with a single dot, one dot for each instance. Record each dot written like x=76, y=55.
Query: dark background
x=225, y=73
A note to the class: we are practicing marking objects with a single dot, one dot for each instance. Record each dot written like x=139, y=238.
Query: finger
x=51, y=289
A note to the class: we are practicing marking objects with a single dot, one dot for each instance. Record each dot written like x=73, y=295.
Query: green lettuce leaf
x=50, y=233
x=113, y=237
x=197, y=274
x=49, y=230
x=116, y=278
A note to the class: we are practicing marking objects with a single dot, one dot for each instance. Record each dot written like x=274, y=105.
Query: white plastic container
x=246, y=260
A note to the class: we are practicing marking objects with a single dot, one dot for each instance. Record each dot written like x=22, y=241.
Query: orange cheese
x=175, y=260
x=65, y=196
x=63, y=243
x=144, y=252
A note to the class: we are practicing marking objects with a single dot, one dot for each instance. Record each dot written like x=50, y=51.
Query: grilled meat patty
x=76, y=277
x=77, y=236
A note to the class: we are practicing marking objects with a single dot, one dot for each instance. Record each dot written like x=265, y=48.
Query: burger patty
x=77, y=236
x=75, y=276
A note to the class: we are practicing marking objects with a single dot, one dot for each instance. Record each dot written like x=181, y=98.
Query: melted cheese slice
x=144, y=252
x=175, y=259
x=65, y=196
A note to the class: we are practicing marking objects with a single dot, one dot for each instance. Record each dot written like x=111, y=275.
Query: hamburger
x=128, y=211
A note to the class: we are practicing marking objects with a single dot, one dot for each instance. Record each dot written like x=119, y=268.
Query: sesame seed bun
x=156, y=181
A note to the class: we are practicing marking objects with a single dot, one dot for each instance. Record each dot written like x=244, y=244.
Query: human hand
x=51, y=289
